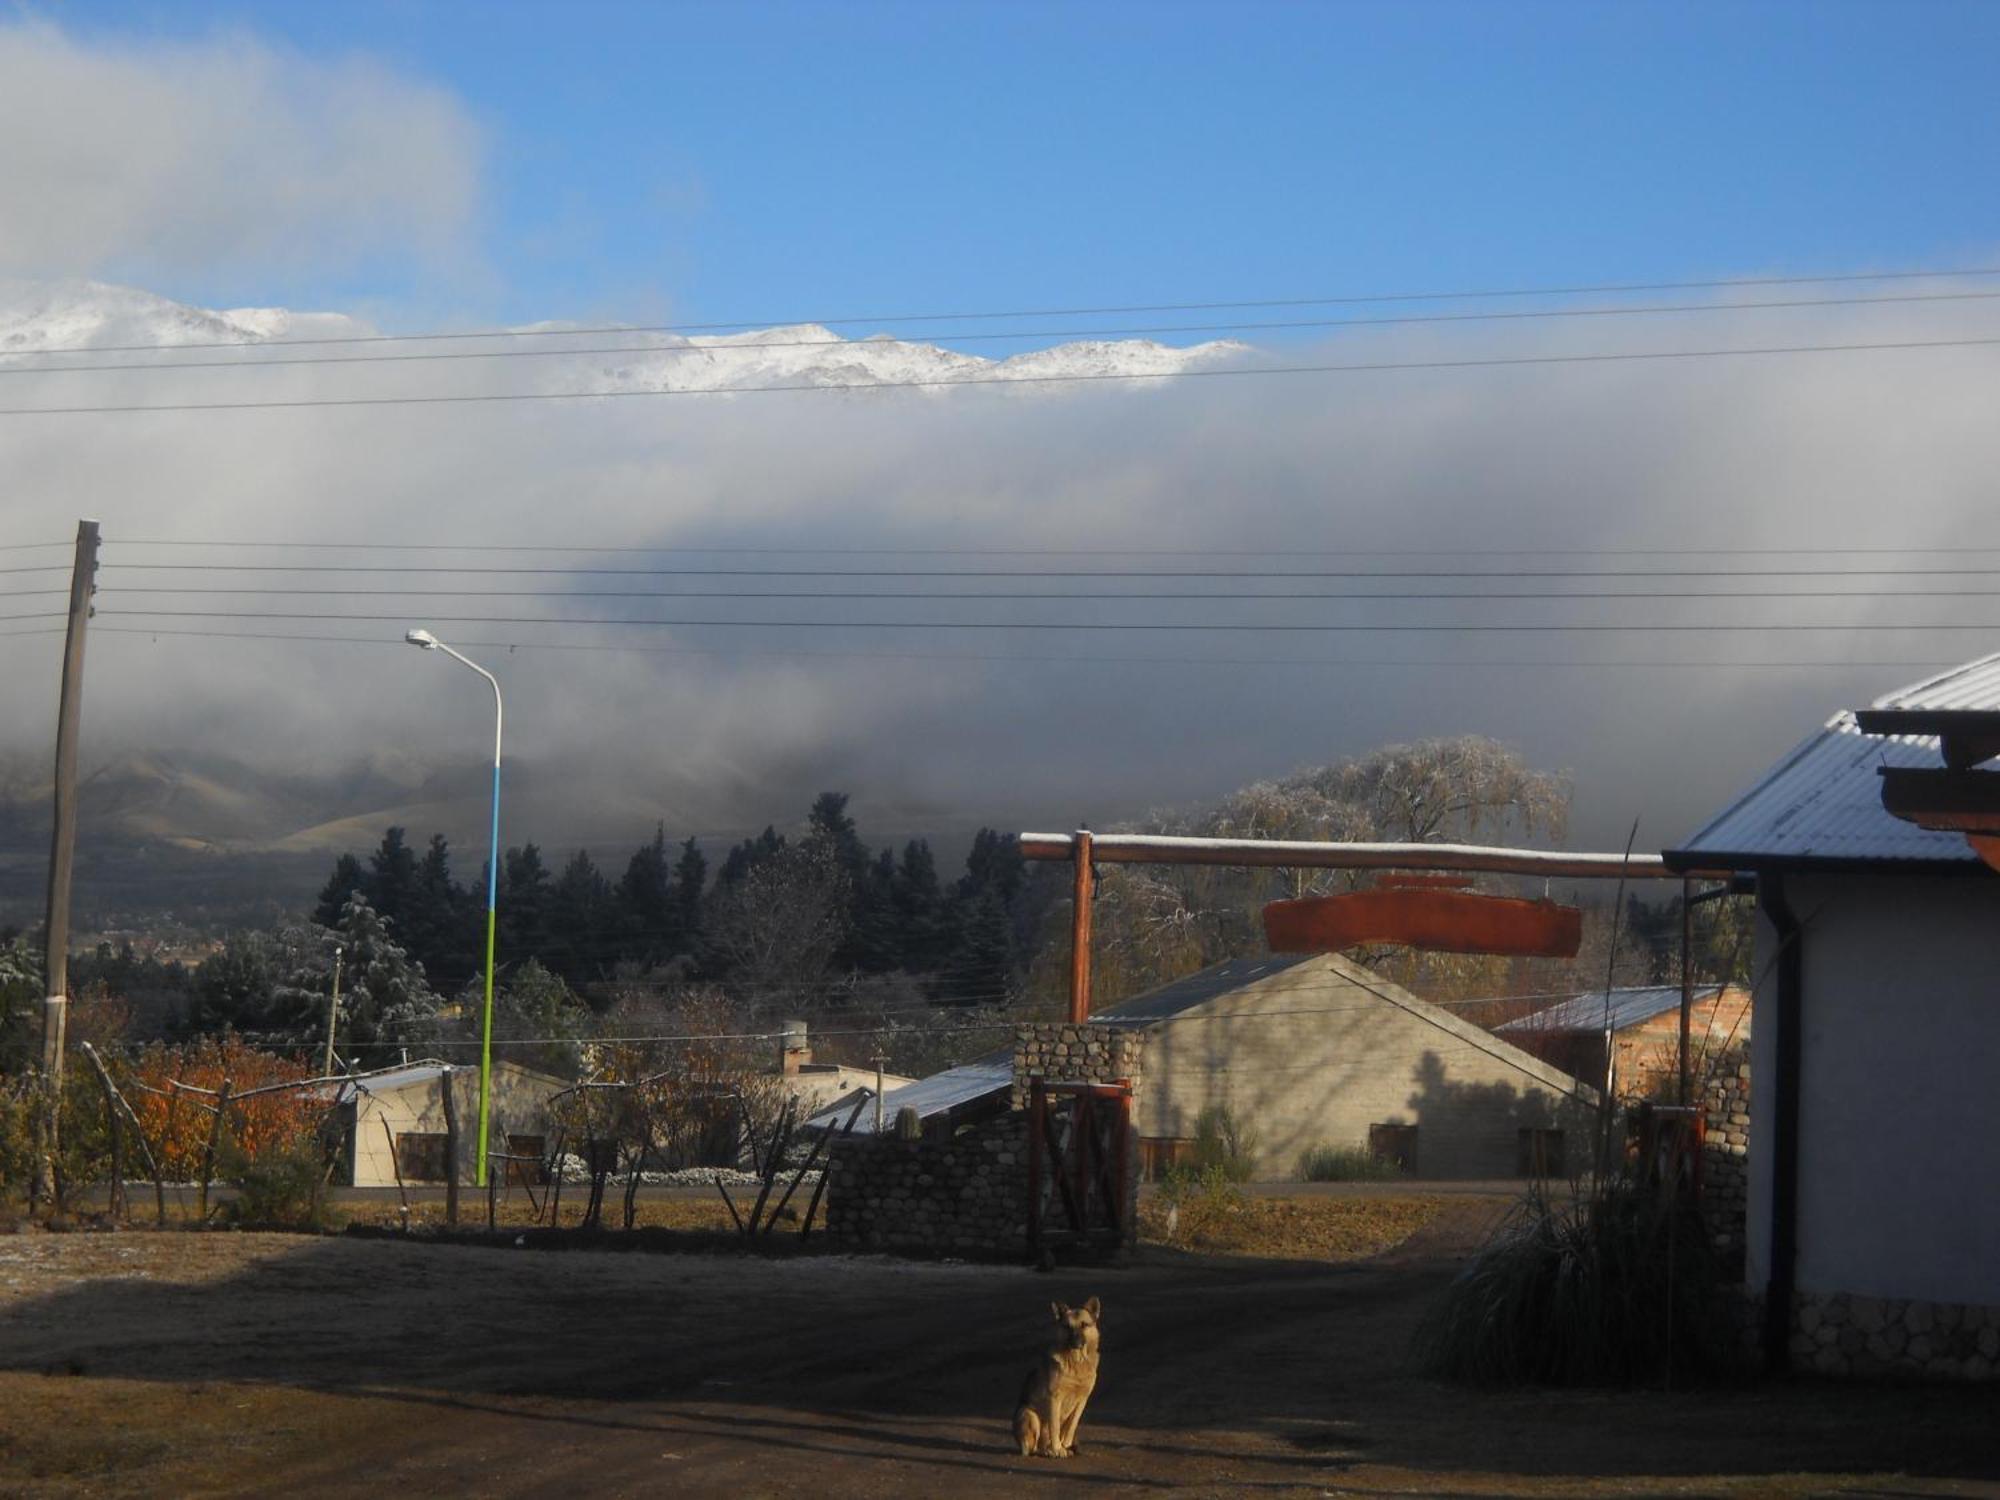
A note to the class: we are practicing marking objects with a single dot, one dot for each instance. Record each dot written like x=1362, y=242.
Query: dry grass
x=1289, y=1228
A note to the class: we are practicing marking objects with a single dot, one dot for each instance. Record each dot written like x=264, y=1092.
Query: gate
x=1079, y=1139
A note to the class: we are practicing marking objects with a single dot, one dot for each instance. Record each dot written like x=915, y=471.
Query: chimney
x=795, y=1051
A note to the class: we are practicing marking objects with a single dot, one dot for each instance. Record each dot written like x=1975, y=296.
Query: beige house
x=395, y=1120
x=1315, y=1050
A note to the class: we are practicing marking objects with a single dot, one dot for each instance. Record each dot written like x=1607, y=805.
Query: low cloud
x=720, y=728
x=171, y=161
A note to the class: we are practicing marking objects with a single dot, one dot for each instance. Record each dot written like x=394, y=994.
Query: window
x=1159, y=1153
x=1541, y=1153
x=1396, y=1144
x=420, y=1156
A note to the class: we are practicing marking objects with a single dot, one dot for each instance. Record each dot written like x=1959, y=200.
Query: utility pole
x=62, y=860
x=332, y=1011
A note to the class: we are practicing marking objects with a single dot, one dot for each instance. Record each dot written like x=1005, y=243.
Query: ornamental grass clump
x=1618, y=1286
x=1345, y=1164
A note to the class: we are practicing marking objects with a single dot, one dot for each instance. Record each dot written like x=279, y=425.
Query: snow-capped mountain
x=94, y=315
x=79, y=315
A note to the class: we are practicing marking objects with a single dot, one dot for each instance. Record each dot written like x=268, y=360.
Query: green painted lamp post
x=430, y=642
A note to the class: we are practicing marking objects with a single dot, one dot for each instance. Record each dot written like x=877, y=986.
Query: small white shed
x=396, y=1119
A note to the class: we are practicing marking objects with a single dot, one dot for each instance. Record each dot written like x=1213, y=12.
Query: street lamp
x=430, y=642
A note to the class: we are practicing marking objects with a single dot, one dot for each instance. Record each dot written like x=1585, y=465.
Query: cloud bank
x=162, y=162
x=938, y=729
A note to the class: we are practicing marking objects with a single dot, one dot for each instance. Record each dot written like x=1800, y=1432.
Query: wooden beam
x=1080, y=852
x=1472, y=859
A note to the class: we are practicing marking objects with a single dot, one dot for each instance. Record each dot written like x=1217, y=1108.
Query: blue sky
x=767, y=162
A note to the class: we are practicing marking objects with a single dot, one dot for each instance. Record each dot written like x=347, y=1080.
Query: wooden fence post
x=450, y=1150
x=215, y=1129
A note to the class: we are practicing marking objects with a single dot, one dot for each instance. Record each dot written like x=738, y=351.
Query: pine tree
x=646, y=908
x=523, y=903
x=920, y=913
x=690, y=876
x=438, y=927
x=348, y=878
x=392, y=876
x=579, y=920
x=385, y=1000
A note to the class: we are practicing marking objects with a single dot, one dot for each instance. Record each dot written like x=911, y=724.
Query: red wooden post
x=1034, y=1164
x=1079, y=932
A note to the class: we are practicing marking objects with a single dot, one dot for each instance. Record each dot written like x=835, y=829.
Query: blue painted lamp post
x=430, y=642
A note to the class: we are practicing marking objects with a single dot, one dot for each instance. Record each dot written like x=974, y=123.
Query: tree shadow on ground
x=1311, y=1360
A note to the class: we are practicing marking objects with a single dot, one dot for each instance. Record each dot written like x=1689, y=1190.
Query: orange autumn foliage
x=178, y=1128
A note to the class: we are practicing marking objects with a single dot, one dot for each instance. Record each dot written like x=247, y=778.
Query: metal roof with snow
x=1821, y=806
x=1629, y=1006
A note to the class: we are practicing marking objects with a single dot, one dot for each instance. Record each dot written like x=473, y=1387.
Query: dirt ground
x=140, y=1363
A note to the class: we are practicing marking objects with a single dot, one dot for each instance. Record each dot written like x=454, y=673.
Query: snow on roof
x=1629, y=1006
x=1822, y=804
x=936, y=1095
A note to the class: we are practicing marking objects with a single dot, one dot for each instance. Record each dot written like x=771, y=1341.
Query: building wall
x=1901, y=1029
x=520, y=1107
x=1309, y=1058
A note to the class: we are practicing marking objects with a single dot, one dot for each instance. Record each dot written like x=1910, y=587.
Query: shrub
x=1618, y=1287
x=1222, y=1145
x=283, y=1184
x=1345, y=1164
x=1201, y=1199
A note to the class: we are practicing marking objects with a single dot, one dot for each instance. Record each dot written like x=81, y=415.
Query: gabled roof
x=1211, y=983
x=989, y=1076
x=1821, y=806
x=1629, y=1006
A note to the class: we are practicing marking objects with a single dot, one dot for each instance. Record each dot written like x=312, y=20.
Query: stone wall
x=1841, y=1334
x=1063, y=1053
x=1725, y=1164
x=964, y=1197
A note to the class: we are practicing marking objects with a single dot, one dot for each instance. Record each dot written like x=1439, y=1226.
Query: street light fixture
x=429, y=642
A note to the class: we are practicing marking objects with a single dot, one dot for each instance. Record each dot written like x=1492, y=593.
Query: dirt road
x=247, y=1364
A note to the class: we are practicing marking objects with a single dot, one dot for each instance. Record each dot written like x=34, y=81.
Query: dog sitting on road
x=1052, y=1399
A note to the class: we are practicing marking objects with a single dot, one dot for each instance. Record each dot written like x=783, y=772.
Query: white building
x=1874, y=1213
x=396, y=1120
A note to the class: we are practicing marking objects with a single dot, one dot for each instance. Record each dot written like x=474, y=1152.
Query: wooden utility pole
x=62, y=859
x=332, y=1012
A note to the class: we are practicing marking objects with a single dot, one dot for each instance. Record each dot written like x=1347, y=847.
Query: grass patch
x=1334, y=1229
x=1345, y=1164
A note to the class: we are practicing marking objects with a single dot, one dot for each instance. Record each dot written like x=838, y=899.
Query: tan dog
x=1053, y=1397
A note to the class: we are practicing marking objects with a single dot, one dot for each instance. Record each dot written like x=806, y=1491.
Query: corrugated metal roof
x=1629, y=1006
x=936, y=1095
x=1974, y=685
x=1823, y=802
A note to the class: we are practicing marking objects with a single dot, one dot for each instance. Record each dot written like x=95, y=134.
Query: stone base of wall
x=1725, y=1163
x=965, y=1197
x=1060, y=1052
x=1841, y=1334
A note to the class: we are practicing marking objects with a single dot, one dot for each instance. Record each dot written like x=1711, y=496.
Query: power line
x=913, y=339
x=1033, y=573
x=1065, y=625
x=219, y=543
x=1071, y=596
x=1346, y=300
x=1075, y=378
x=1165, y=661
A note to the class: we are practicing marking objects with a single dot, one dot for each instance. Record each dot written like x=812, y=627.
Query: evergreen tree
x=348, y=878
x=981, y=968
x=646, y=906
x=523, y=903
x=438, y=927
x=994, y=864
x=385, y=1000
x=392, y=876
x=919, y=904
x=579, y=920
x=746, y=856
x=690, y=876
